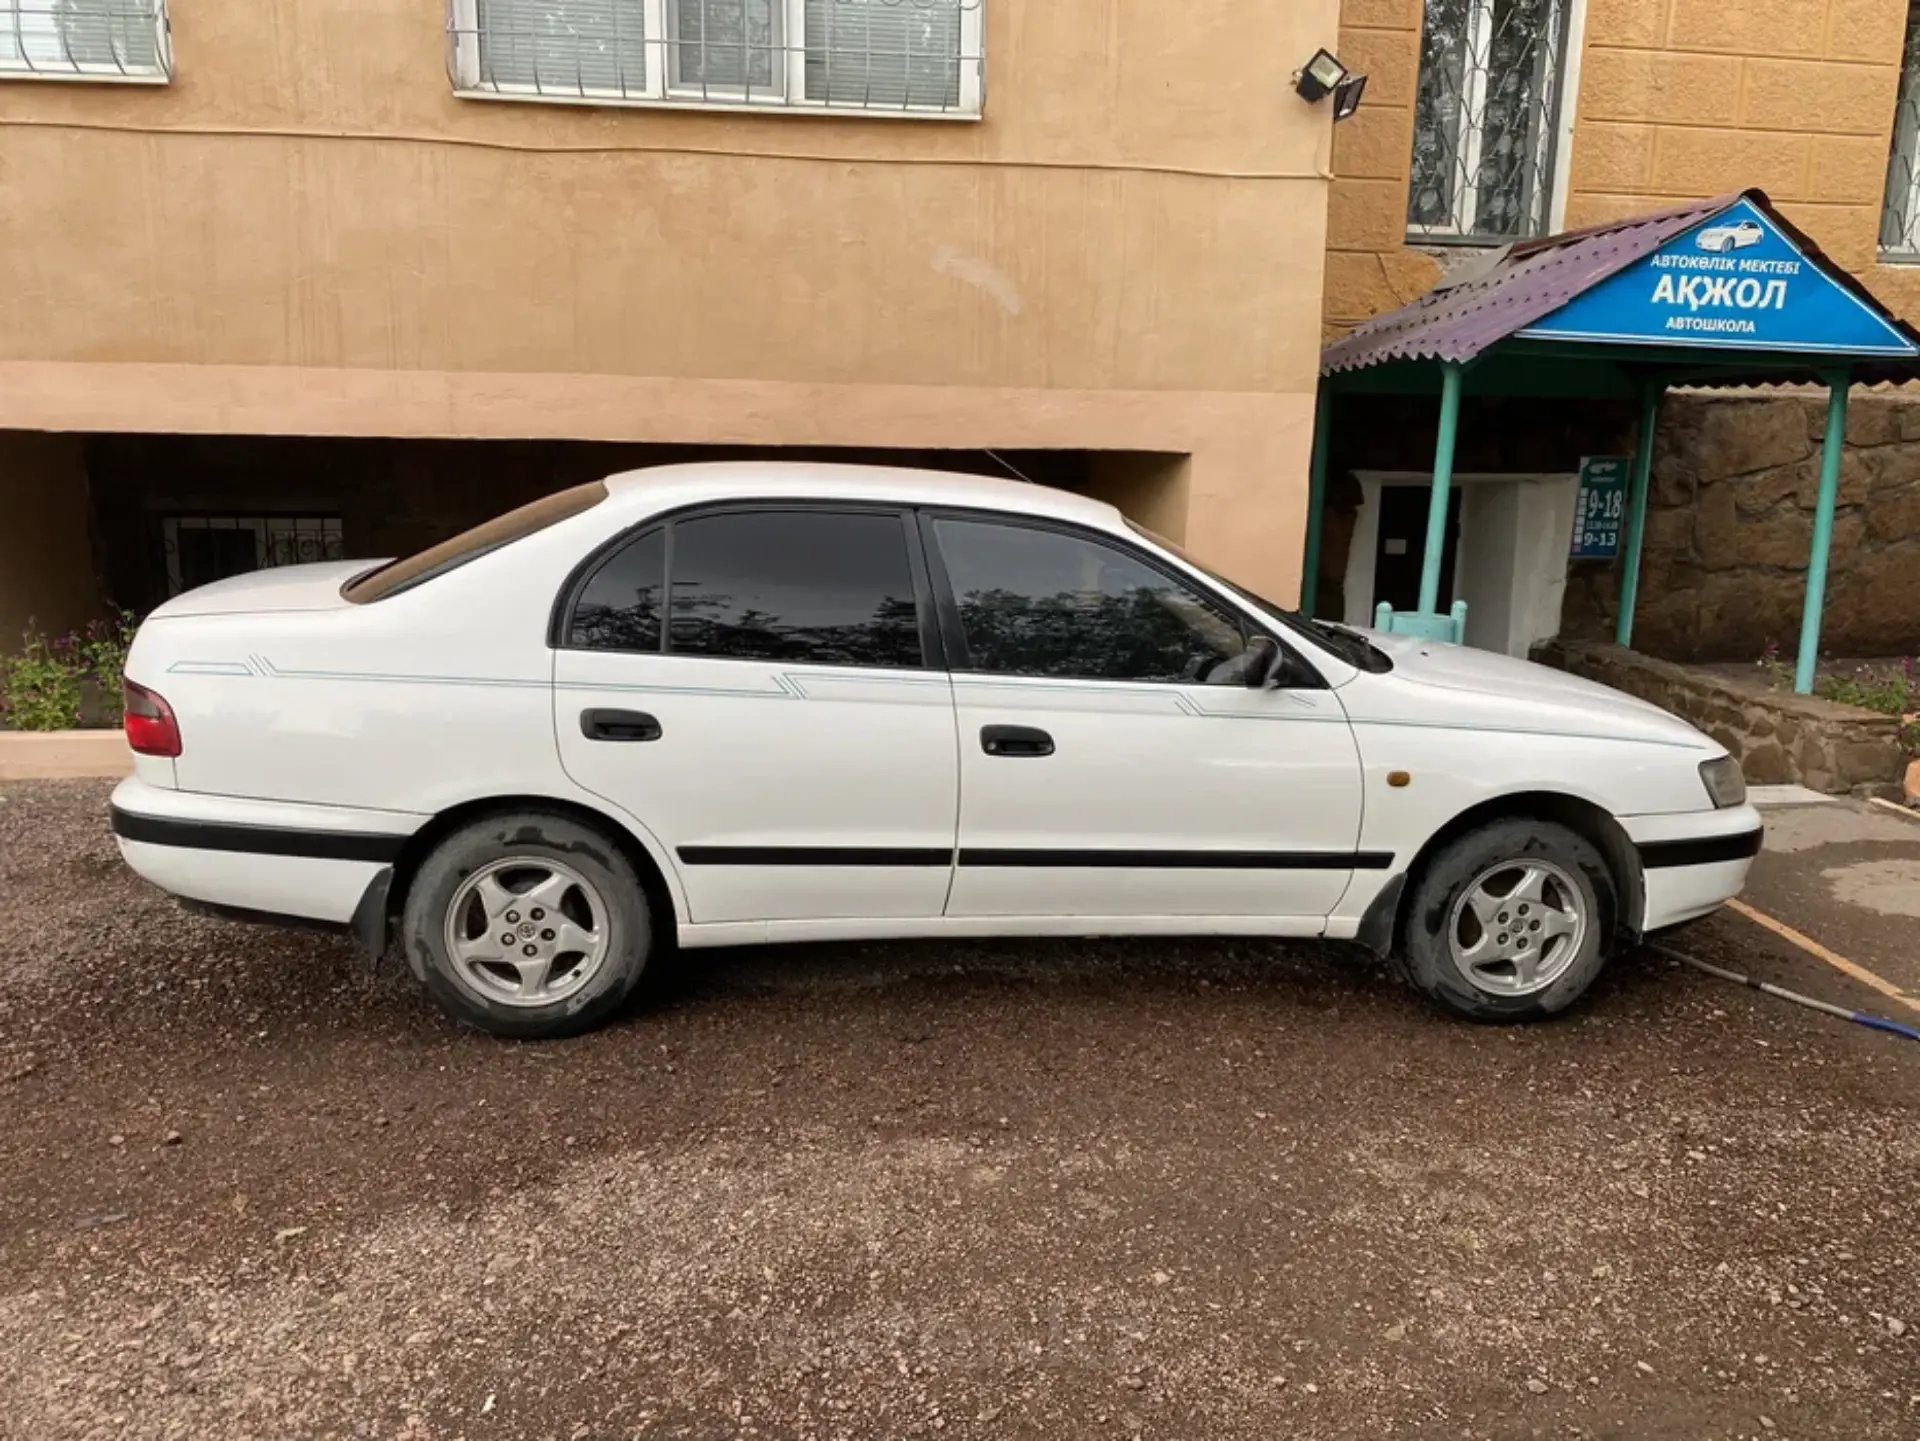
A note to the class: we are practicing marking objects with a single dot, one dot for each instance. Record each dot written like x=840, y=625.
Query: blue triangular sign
x=1733, y=282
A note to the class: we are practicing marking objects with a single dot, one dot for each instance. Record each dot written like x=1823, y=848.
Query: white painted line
x=1833, y=958
x=1905, y=813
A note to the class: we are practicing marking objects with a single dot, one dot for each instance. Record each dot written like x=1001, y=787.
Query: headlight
x=1721, y=776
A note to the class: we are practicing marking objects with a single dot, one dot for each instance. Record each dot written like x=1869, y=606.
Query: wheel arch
x=653, y=881
x=1383, y=924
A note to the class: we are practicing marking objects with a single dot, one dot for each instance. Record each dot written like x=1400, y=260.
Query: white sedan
x=734, y=703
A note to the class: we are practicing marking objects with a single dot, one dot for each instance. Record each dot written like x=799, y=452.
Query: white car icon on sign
x=1737, y=236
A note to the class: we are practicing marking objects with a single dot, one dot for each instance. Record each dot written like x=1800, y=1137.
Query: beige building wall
x=1370, y=267
x=1676, y=100
x=307, y=233
x=1687, y=98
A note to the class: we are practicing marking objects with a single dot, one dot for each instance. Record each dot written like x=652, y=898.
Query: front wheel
x=527, y=926
x=1510, y=922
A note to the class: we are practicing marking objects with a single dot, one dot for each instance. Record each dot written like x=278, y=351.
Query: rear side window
x=399, y=575
x=806, y=587
x=623, y=606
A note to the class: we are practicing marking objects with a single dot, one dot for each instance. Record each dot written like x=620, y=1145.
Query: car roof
x=666, y=486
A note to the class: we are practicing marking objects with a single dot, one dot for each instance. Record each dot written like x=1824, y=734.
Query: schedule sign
x=1600, y=508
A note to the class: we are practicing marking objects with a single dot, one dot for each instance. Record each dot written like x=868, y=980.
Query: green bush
x=43, y=688
x=47, y=685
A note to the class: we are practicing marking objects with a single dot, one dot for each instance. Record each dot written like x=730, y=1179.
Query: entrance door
x=1402, y=544
x=1112, y=761
x=777, y=724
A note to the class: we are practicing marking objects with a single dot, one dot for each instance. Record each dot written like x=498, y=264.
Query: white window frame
x=1553, y=130
x=787, y=96
x=92, y=72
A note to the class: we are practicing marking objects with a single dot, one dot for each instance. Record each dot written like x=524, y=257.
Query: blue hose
x=1859, y=1018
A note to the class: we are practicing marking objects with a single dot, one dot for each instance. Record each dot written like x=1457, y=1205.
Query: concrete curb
x=64, y=755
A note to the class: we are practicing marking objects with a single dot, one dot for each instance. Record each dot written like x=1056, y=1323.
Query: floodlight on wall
x=1346, y=96
x=1315, y=80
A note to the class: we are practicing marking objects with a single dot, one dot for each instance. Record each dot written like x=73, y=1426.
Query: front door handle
x=618, y=725
x=1015, y=741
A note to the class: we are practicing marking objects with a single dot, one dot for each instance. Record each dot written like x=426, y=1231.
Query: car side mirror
x=1264, y=658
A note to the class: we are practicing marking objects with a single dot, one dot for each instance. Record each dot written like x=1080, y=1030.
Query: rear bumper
x=1691, y=864
x=269, y=858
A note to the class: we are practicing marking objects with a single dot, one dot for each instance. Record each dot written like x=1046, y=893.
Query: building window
x=1486, y=111
x=200, y=549
x=1900, y=216
x=882, y=57
x=85, y=40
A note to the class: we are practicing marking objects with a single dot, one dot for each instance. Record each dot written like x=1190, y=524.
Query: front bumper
x=1694, y=862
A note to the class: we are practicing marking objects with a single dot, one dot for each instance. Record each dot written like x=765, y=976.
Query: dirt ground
x=1209, y=1190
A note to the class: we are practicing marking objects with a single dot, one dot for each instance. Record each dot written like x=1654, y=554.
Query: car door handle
x=618, y=725
x=1015, y=741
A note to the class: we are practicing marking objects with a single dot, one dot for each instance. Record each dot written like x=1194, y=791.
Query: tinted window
x=818, y=587
x=1041, y=602
x=399, y=575
x=620, y=608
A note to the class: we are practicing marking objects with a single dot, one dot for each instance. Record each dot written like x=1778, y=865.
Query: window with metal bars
x=85, y=40
x=196, y=550
x=1900, y=214
x=1486, y=112
x=900, y=57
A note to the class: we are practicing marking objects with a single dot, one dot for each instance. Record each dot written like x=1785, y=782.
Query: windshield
x=398, y=575
x=1343, y=641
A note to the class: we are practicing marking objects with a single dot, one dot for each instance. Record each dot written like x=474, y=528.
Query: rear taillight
x=151, y=728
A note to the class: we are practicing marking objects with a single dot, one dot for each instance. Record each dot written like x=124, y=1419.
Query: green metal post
x=1637, y=511
x=1442, y=483
x=1316, y=497
x=1830, y=453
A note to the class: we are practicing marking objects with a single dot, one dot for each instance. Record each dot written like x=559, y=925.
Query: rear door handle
x=1015, y=741
x=618, y=725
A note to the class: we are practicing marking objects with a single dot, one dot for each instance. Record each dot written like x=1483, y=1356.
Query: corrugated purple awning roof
x=1457, y=322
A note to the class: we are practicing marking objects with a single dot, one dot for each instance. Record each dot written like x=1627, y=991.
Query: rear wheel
x=527, y=925
x=1510, y=922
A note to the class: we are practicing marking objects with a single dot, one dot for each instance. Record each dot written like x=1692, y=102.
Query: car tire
x=527, y=925
x=1548, y=904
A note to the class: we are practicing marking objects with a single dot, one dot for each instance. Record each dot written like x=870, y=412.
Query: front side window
x=1048, y=603
x=1900, y=215
x=881, y=56
x=85, y=39
x=1486, y=109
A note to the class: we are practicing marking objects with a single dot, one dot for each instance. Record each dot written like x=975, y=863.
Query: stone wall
x=1781, y=738
x=1730, y=526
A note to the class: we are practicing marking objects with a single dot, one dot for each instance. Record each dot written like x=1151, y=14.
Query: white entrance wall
x=1511, y=566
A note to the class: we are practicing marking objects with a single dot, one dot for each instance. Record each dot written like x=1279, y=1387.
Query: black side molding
x=1706, y=851
x=1053, y=859
x=1182, y=860
x=814, y=856
x=257, y=840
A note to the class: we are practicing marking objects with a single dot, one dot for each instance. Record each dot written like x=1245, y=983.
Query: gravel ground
x=1211, y=1190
